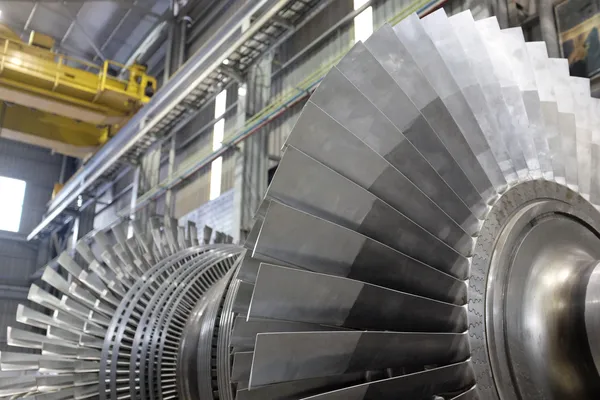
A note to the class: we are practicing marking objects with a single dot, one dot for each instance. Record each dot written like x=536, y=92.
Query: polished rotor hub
x=541, y=246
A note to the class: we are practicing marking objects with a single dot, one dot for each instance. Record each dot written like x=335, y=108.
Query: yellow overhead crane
x=62, y=103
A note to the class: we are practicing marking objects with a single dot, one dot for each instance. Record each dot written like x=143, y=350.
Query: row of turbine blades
x=356, y=282
x=156, y=309
x=68, y=322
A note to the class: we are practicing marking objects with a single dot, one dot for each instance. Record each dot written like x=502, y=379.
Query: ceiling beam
x=67, y=2
x=143, y=7
x=75, y=22
x=30, y=17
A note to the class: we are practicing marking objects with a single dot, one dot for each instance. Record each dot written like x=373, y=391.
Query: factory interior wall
x=19, y=259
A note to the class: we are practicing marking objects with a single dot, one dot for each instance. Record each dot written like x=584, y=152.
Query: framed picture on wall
x=578, y=23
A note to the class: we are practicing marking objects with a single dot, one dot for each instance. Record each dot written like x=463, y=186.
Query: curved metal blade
x=308, y=355
x=288, y=294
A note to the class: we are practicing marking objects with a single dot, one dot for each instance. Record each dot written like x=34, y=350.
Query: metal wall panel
x=228, y=174
x=233, y=121
x=206, y=24
x=17, y=262
x=383, y=11
x=105, y=215
x=318, y=56
x=194, y=140
x=280, y=129
x=218, y=214
x=196, y=190
x=194, y=193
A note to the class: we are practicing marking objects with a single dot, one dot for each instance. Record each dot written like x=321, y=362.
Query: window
x=216, y=166
x=363, y=22
x=12, y=194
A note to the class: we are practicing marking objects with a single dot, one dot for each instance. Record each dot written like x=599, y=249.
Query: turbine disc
x=116, y=327
x=399, y=251
x=431, y=232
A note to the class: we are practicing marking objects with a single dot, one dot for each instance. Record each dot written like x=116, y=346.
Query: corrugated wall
x=209, y=16
x=196, y=190
x=218, y=214
x=106, y=215
x=383, y=11
x=18, y=260
x=193, y=141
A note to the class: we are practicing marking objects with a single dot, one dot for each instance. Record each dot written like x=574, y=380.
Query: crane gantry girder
x=80, y=101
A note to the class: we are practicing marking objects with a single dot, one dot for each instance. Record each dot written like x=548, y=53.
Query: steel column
x=548, y=27
x=252, y=182
x=174, y=59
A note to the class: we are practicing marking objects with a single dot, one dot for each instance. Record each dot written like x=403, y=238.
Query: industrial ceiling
x=89, y=29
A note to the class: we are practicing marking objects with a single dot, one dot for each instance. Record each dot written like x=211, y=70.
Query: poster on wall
x=578, y=23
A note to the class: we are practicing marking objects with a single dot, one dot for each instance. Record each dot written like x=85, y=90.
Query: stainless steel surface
x=580, y=89
x=521, y=66
x=591, y=313
x=540, y=266
x=123, y=323
x=283, y=293
x=490, y=32
x=485, y=70
x=360, y=117
x=546, y=275
x=341, y=151
x=243, y=335
x=302, y=388
x=470, y=149
x=355, y=255
x=526, y=325
x=363, y=70
x=539, y=61
x=321, y=354
x=471, y=84
x=146, y=295
x=451, y=378
x=427, y=234
x=559, y=73
x=306, y=211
